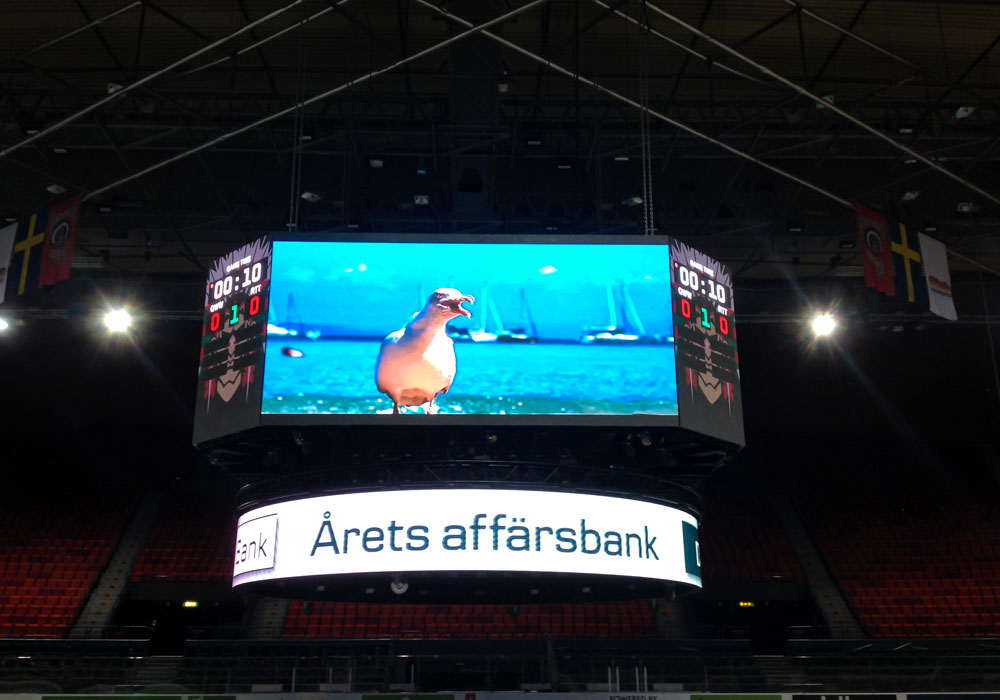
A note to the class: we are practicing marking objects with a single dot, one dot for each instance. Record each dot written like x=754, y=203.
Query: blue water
x=338, y=376
x=369, y=289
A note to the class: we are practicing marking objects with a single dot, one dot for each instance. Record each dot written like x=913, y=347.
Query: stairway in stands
x=779, y=672
x=98, y=608
x=157, y=670
x=268, y=618
x=838, y=615
x=670, y=619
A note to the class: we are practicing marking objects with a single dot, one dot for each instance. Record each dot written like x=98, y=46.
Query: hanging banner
x=876, y=251
x=938, y=276
x=7, y=235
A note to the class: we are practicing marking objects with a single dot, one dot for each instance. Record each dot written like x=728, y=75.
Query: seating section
x=742, y=541
x=191, y=540
x=51, y=558
x=627, y=619
x=912, y=560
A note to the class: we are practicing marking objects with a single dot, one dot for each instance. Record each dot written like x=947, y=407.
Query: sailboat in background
x=526, y=332
x=625, y=327
x=480, y=334
x=292, y=325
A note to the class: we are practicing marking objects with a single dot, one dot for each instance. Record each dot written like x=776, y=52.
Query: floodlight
x=823, y=324
x=117, y=320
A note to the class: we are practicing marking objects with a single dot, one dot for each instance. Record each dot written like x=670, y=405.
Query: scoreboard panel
x=233, y=338
x=708, y=375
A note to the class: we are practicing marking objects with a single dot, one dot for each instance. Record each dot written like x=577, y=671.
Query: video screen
x=383, y=328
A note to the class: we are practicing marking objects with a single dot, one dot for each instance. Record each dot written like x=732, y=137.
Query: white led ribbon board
x=421, y=530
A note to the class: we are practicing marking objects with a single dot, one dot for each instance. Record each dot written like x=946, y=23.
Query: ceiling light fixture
x=823, y=324
x=117, y=320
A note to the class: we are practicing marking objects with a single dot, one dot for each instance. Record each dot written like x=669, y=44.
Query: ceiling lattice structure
x=529, y=129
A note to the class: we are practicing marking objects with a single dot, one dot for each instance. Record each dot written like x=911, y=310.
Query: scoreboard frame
x=234, y=340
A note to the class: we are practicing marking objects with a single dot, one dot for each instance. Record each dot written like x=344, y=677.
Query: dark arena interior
x=224, y=223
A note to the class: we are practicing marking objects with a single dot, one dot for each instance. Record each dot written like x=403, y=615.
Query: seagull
x=417, y=362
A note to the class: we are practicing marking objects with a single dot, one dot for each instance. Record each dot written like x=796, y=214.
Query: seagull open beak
x=456, y=304
x=452, y=300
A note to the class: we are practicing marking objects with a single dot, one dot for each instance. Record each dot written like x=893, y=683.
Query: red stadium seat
x=51, y=560
x=912, y=561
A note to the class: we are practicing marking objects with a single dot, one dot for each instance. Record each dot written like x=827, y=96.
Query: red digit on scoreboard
x=685, y=308
x=215, y=322
x=254, y=305
x=724, y=325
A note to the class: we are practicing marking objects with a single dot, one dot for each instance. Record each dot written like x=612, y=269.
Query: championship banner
x=60, y=235
x=935, y=259
x=7, y=235
x=876, y=250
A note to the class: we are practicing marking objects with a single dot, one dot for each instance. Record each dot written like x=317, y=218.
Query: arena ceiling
x=766, y=119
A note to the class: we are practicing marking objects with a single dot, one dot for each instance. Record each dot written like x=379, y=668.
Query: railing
x=217, y=666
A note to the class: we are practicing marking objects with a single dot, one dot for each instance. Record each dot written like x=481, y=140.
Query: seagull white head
x=447, y=302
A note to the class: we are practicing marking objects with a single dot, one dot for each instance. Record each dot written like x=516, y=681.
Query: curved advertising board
x=495, y=530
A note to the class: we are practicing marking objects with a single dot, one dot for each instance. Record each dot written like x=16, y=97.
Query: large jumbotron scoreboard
x=622, y=333
x=547, y=331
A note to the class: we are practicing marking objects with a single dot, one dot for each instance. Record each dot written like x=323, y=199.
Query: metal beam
x=687, y=54
x=766, y=28
x=710, y=219
x=748, y=263
x=972, y=66
x=357, y=23
x=875, y=47
x=659, y=115
x=143, y=81
x=318, y=98
x=827, y=105
x=163, y=216
x=218, y=191
x=260, y=53
x=836, y=47
x=683, y=47
x=90, y=23
x=591, y=23
x=257, y=44
x=102, y=40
